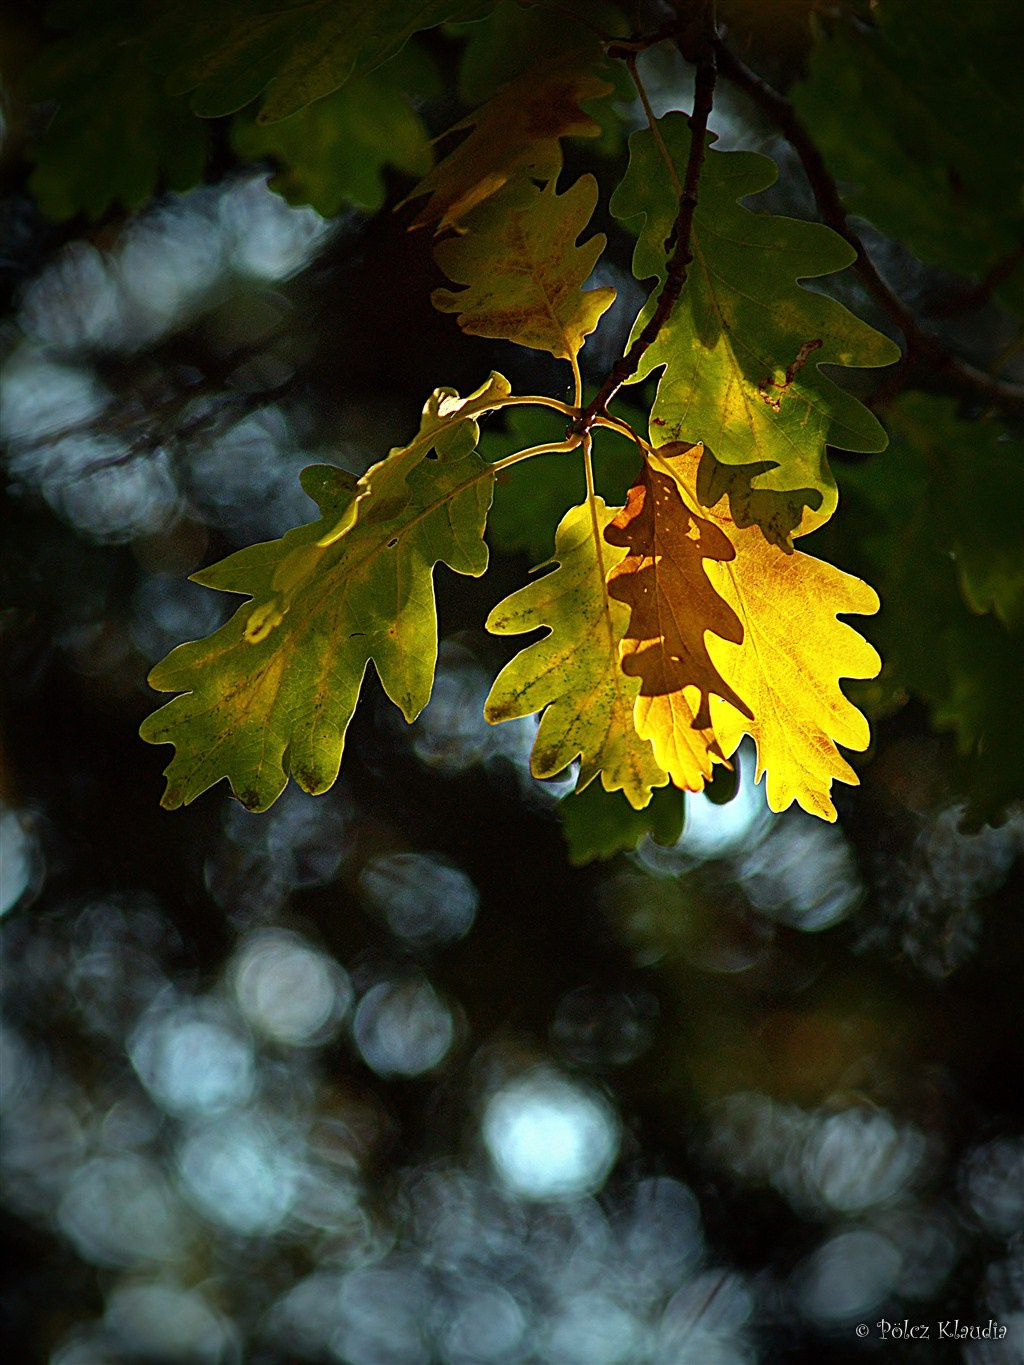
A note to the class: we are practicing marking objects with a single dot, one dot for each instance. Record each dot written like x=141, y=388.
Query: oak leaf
x=297, y=51
x=273, y=691
x=523, y=270
x=513, y=136
x=663, y=580
x=788, y=660
x=572, y=675
x=743, y=348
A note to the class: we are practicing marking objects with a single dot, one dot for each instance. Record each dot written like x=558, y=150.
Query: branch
x=675, y=274
x=919, y=343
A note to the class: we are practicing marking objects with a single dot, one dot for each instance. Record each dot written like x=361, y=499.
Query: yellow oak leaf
x=792, y=652
x=515, y=133
x=664, y=580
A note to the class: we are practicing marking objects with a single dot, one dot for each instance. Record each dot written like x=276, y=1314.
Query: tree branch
x=679, y=238
x=920, y=344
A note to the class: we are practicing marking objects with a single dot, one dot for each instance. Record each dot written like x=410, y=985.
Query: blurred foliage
x=334, y=153
x=940, y=107
x=935, y=522
x=115, y=136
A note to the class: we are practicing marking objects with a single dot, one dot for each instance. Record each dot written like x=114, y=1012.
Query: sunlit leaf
x=515, y=134
x=523, y=270
x=599, y=824
x=662, y=579
x=383, y=490
x=273, y=691
x=572, y=675
x=743, y=349
x=297, y=51
x=115, y=136
x=334, y=152
x=787, y=662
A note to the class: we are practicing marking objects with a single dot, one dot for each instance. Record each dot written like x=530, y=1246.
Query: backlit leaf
x=523, y=270
x=743, y=347
x=790, y=656
x=662, y=578
x=515, y=134
x=297, y=51
x=273, y=691
x=572, y=675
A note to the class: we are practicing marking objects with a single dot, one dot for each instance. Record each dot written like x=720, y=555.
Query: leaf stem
x=622, y=428
x=652, y=123
x=577, y=380
x=550, y=448
x=595, y=525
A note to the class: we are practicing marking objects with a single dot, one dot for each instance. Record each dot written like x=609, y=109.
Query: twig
x=980, y=292
x=1008, y=395
x=675, y=274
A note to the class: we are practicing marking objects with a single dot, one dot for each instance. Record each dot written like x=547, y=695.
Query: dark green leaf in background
x=935, y=523
x=335, y=151
x=938, y=106
x=115, y=135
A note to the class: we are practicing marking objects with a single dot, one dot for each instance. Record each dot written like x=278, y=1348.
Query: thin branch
x=980, y=292
x=675, y=275
x=920, y=344
x=652, y=124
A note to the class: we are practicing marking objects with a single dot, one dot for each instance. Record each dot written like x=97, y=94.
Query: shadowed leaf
x=115, y=137
x=599, y=824
x=297, y=51
x=952, y=186
x=514, y=135
x=663, y=580
x=335, y=151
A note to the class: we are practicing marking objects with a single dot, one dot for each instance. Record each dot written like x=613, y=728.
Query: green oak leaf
x=115, y=137
x=523, y=270
x=272, y=692
x=951, y=188
x=599, y=824
x=335, y=151
x=573, y=673
x=297, y=51
x=743, y=348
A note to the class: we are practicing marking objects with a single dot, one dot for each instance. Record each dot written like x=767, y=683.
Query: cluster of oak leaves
x=675, y=624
